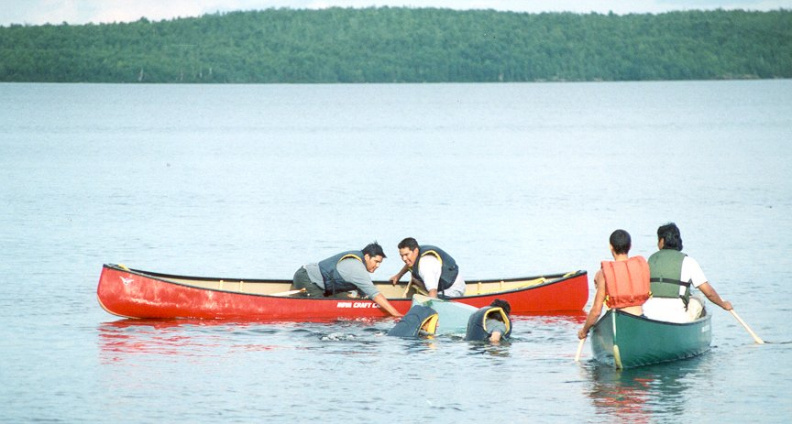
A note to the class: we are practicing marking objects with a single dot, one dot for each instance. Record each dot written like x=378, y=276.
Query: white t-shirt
x=430, y=269
x=691, y=271
x=673, y=310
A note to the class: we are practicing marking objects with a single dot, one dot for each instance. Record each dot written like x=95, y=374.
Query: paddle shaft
x=288, y=293
x=407, y=289
x=748, y=329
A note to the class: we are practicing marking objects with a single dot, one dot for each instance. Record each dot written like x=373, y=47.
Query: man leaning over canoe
x=342, y=273
x=622, y=283
x=430, y=267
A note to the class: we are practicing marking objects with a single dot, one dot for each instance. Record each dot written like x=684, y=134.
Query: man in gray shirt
x=344, y=272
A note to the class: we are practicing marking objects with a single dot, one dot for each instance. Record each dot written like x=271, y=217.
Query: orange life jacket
x=626, y=282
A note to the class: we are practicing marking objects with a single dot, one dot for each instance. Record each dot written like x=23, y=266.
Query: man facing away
x=621, y=284
x=430, y=267
x=344, y=272
x=672, y=274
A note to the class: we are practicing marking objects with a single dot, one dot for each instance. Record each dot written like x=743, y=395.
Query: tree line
x=375, y=45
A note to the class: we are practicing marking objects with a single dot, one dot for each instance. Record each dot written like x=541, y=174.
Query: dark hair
x=669, y=233
x=621, y=242
x=409, y=243
x=374, y=249
x=500, y=303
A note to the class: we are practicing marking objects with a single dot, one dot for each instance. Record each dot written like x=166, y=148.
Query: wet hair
x=500, y=303
x=409, y=243
x=669, y=233
x=621, y=242
x=374, y=249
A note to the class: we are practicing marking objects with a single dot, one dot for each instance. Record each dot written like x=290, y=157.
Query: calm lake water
x=255, y=180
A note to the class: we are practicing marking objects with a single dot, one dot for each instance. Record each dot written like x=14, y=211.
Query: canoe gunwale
x=138, y=294
x=174, y=279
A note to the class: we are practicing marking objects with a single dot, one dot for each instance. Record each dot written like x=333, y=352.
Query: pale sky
x=39, y=12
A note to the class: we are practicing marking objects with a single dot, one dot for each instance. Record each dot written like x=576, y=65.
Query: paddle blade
x=580, y=349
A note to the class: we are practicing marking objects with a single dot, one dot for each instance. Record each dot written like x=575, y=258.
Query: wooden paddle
x=407, y=289
x=288, y=293
x=748, y=329
x=416, y=287
x=580, y=349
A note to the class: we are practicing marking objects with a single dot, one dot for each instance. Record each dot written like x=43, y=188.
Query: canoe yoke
x=490, y=287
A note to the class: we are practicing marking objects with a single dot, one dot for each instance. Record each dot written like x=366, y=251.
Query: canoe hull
x=622, y=340
x=453, y=316
x=133, y=293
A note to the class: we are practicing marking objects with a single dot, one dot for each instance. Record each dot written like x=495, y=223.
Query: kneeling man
x=344, y=272
x=430, y=267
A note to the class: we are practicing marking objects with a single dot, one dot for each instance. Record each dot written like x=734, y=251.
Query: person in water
x=622, y=283
x=342, y=273
x=496, y=325
x=490, y=323
x=430, y=267
x=672, y=274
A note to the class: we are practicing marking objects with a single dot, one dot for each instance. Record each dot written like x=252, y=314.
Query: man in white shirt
x=430, y=267
x=672, y=273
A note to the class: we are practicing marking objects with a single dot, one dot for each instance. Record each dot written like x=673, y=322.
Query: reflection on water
x=205, y=338
x=119, y=339
x=129, y=338
x=637, y=395
x=496, y=350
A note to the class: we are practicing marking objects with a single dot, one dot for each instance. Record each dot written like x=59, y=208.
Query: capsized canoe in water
x=435, y=317
x=453, y=317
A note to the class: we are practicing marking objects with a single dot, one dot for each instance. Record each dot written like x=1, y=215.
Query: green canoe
x=623, y=340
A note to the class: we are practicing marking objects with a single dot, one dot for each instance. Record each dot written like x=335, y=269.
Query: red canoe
x=134, y=293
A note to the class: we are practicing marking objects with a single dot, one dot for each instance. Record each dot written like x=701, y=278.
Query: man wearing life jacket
x=344, y=272
x=430, y=267
x=621, y=284
x=672, y=275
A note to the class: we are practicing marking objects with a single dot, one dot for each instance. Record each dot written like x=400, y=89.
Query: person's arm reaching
x=395, y=279
x=355, y=272
x=380, y=300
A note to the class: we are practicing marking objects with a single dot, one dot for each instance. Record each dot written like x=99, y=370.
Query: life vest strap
x=429, y=325
x=684, y=297
x=348, y=256
x=669, y=281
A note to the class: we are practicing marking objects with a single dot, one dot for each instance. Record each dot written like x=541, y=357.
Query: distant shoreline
x=404, y=45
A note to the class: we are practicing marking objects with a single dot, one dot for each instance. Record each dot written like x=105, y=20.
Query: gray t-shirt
x=351, y=270
x=494, y=325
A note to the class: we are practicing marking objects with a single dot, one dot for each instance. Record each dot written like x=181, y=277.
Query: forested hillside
x=404, y=45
